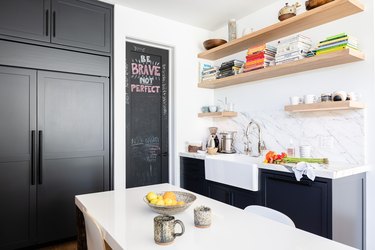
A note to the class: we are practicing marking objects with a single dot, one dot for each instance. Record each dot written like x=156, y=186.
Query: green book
x=341, y=35
x=333, y=49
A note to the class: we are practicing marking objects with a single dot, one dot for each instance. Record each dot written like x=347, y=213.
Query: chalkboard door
x=146, y=115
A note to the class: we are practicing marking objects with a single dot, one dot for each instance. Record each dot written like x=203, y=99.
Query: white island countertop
x=331, y=171
x=127, y=223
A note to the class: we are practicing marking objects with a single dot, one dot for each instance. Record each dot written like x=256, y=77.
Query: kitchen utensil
x=288, y=11
x=339, y=96
x=212, y=108
x=311, y=4
x=186, y=197
x=164, y=229
x=205, y=109
x=326, y=97
x=227, y=142
x=305, y=151
x=211, y=141
x=308, y=99
x=212, y=151
x=212, y=43
x=295, y=100
x=202, y=217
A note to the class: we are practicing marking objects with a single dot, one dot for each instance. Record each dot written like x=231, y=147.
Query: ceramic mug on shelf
x=295, y=100
x=212, y=108
x=308, y=99
x=164, y=229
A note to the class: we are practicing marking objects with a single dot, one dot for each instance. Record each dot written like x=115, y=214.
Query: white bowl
x=212, y=108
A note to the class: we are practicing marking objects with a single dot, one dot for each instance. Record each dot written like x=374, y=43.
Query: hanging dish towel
x=306, y=168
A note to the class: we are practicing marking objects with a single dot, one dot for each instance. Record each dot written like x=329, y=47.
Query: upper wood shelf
x=309, y=19
x=315, y=62
x=218, y=114
x=325, y=106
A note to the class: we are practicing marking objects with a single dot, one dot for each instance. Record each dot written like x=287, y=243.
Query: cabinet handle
x=33, y=153
x=54, y=23
x=40, y=166
x=47, y=22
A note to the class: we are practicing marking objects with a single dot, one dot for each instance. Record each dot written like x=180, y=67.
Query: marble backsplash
x=337, y=135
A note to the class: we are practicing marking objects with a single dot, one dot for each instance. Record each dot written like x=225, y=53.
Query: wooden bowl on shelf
x=212, y=43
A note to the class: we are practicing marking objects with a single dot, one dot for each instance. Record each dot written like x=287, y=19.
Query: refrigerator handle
x=40, y=165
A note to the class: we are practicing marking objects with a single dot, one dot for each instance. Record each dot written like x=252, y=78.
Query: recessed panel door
x=73, y=141
x=17, y=172
x=25, y=19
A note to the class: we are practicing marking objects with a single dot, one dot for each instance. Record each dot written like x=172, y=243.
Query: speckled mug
x=164, y=229
x=202, y=217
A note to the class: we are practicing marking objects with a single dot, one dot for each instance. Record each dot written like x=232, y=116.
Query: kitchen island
x=127, y=223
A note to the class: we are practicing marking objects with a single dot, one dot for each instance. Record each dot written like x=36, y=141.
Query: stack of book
x=259, y=57
x=207, y=72
x=230, y=68
x=292, y=49
x=337, y=42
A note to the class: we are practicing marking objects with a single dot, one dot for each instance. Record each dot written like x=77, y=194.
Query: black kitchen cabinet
x=192, y=175
x=332, y=208
x=234, y=196
x=17, y=165
x=81, y=24
x=25, y=19
x=49, y=155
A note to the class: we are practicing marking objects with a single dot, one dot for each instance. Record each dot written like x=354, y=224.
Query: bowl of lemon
x=169, y=202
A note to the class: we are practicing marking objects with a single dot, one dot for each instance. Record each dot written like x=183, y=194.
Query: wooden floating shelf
x=324, y=14
x=325, y=106
x=306, y=64
x=218, y=114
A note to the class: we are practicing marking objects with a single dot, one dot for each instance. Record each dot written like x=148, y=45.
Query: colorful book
x=333, y=49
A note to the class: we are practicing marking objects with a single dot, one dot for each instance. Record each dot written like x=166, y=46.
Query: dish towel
x=302, y=168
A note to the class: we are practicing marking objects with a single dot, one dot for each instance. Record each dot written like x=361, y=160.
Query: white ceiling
x=207, y=14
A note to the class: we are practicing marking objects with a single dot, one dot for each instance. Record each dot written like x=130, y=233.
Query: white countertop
x=127, y=223
x=331, y=171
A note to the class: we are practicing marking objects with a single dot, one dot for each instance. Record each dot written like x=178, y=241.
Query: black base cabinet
x=332, y=208
x=192, y=175
x=193, y=179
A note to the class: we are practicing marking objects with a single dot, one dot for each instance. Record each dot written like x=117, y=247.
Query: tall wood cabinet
x=55, y=119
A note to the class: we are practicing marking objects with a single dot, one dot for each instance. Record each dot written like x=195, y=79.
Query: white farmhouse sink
x=233, y=169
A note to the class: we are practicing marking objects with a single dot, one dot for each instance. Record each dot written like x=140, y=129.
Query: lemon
x=154, y=201
x=168, y=201
x=160, y=197
x=160, y=202
x=174, y=202
x=180, y=203
x=150, y=196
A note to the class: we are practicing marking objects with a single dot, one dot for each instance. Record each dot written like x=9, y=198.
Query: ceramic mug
x=339, y=96
x=295, y=100
x=204, y=109
x=212, y=108
x=164, y=229
x=308, y=99
x=202, y=217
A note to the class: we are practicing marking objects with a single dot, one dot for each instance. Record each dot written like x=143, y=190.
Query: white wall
x=186, y=43
x=272, y=94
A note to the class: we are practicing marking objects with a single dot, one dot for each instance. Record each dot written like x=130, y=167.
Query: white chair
x=270, y=214
x=94, y=234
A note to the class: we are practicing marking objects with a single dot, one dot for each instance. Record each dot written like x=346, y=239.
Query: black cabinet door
x=307, y=203
x=220, y=192
x=73, y=118
x=25, y=19
x=81, y=24
x=192, y=175
x=17, y=186
x=243, y=198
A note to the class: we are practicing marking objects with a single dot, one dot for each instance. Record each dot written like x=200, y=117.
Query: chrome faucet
x=261, y=144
